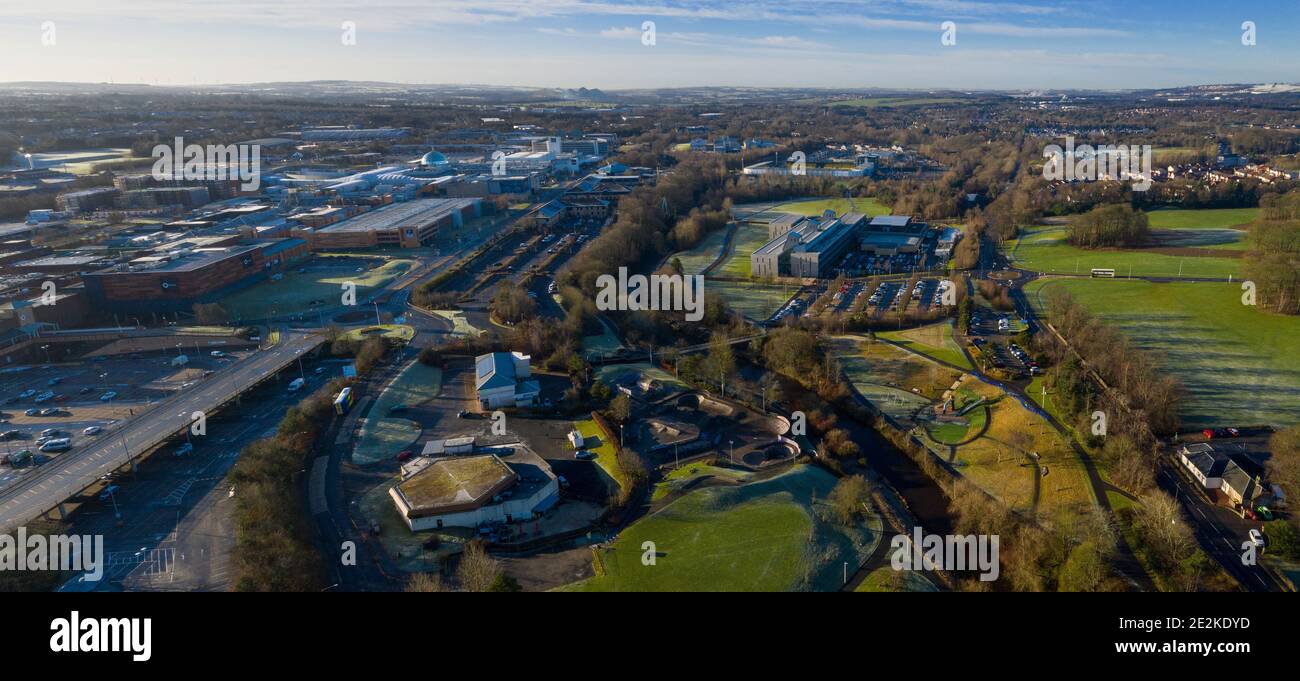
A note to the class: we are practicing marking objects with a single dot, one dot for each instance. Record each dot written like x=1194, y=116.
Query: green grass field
x=933, y=340
x=749, y=237
x=756, y=301
x=1237, y=363
x=322, y=282
x=867, y=206
x=888, y=580
x=382, y=436
x=703, y=254
x=606, y=454
x=688, y=474
x=1213, y=228
x=1201, y=218
x=761, y=536
x=954, y=433
x=1044, y=249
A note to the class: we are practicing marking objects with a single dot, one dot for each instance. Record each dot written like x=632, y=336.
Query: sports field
x=1212, y=228
x=1044, y=249
x=756, y=301
x=703, y=254
x=1237, y=362
x=933, y=340
x=748, y=238
x=382, y=434
x=868, y=206
x=761, y=536
x=321, y=285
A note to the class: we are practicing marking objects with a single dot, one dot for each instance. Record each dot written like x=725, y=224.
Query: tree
x=478, y=571
x=210, y=314
x=424, y=582
x=1085, y=570
x=1168, y=537
x=720, y=364
x=505, y=584
x=849, y=499
x=621, y=408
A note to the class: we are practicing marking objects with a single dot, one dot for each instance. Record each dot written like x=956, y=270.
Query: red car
x=405, y=455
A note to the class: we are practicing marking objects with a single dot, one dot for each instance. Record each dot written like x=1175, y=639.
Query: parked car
x=108, y=492
x=217, y=353
x=584, y=455
x=58, y=445
x=32, y=412
x=1256, y=538
x=54, y=381
x=26, y=394
x=92, y=430
x=107, y=396
x=44, y=397
x=86, y=390
x=405, y=455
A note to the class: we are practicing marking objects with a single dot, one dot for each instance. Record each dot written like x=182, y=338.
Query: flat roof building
x=176, y=279
x=410, y=224
x=476, y=490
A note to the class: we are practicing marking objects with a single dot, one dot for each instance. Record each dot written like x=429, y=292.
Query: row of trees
x=1273, y=261
x=1115, y=224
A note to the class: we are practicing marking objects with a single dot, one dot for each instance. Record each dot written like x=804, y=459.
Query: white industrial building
x=501, y=379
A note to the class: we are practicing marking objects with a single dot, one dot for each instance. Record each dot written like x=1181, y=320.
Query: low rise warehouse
x=475, y=490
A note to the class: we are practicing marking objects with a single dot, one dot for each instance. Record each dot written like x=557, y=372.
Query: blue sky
x=571, y=43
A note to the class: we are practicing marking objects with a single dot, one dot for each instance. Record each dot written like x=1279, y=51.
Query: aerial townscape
x=305, y=332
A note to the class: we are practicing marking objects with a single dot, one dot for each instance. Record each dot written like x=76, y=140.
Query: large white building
x=501, y=379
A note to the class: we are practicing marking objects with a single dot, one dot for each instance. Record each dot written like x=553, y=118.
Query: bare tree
x=477, y=569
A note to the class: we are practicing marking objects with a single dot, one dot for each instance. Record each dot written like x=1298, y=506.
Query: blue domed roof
x=433, y=158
